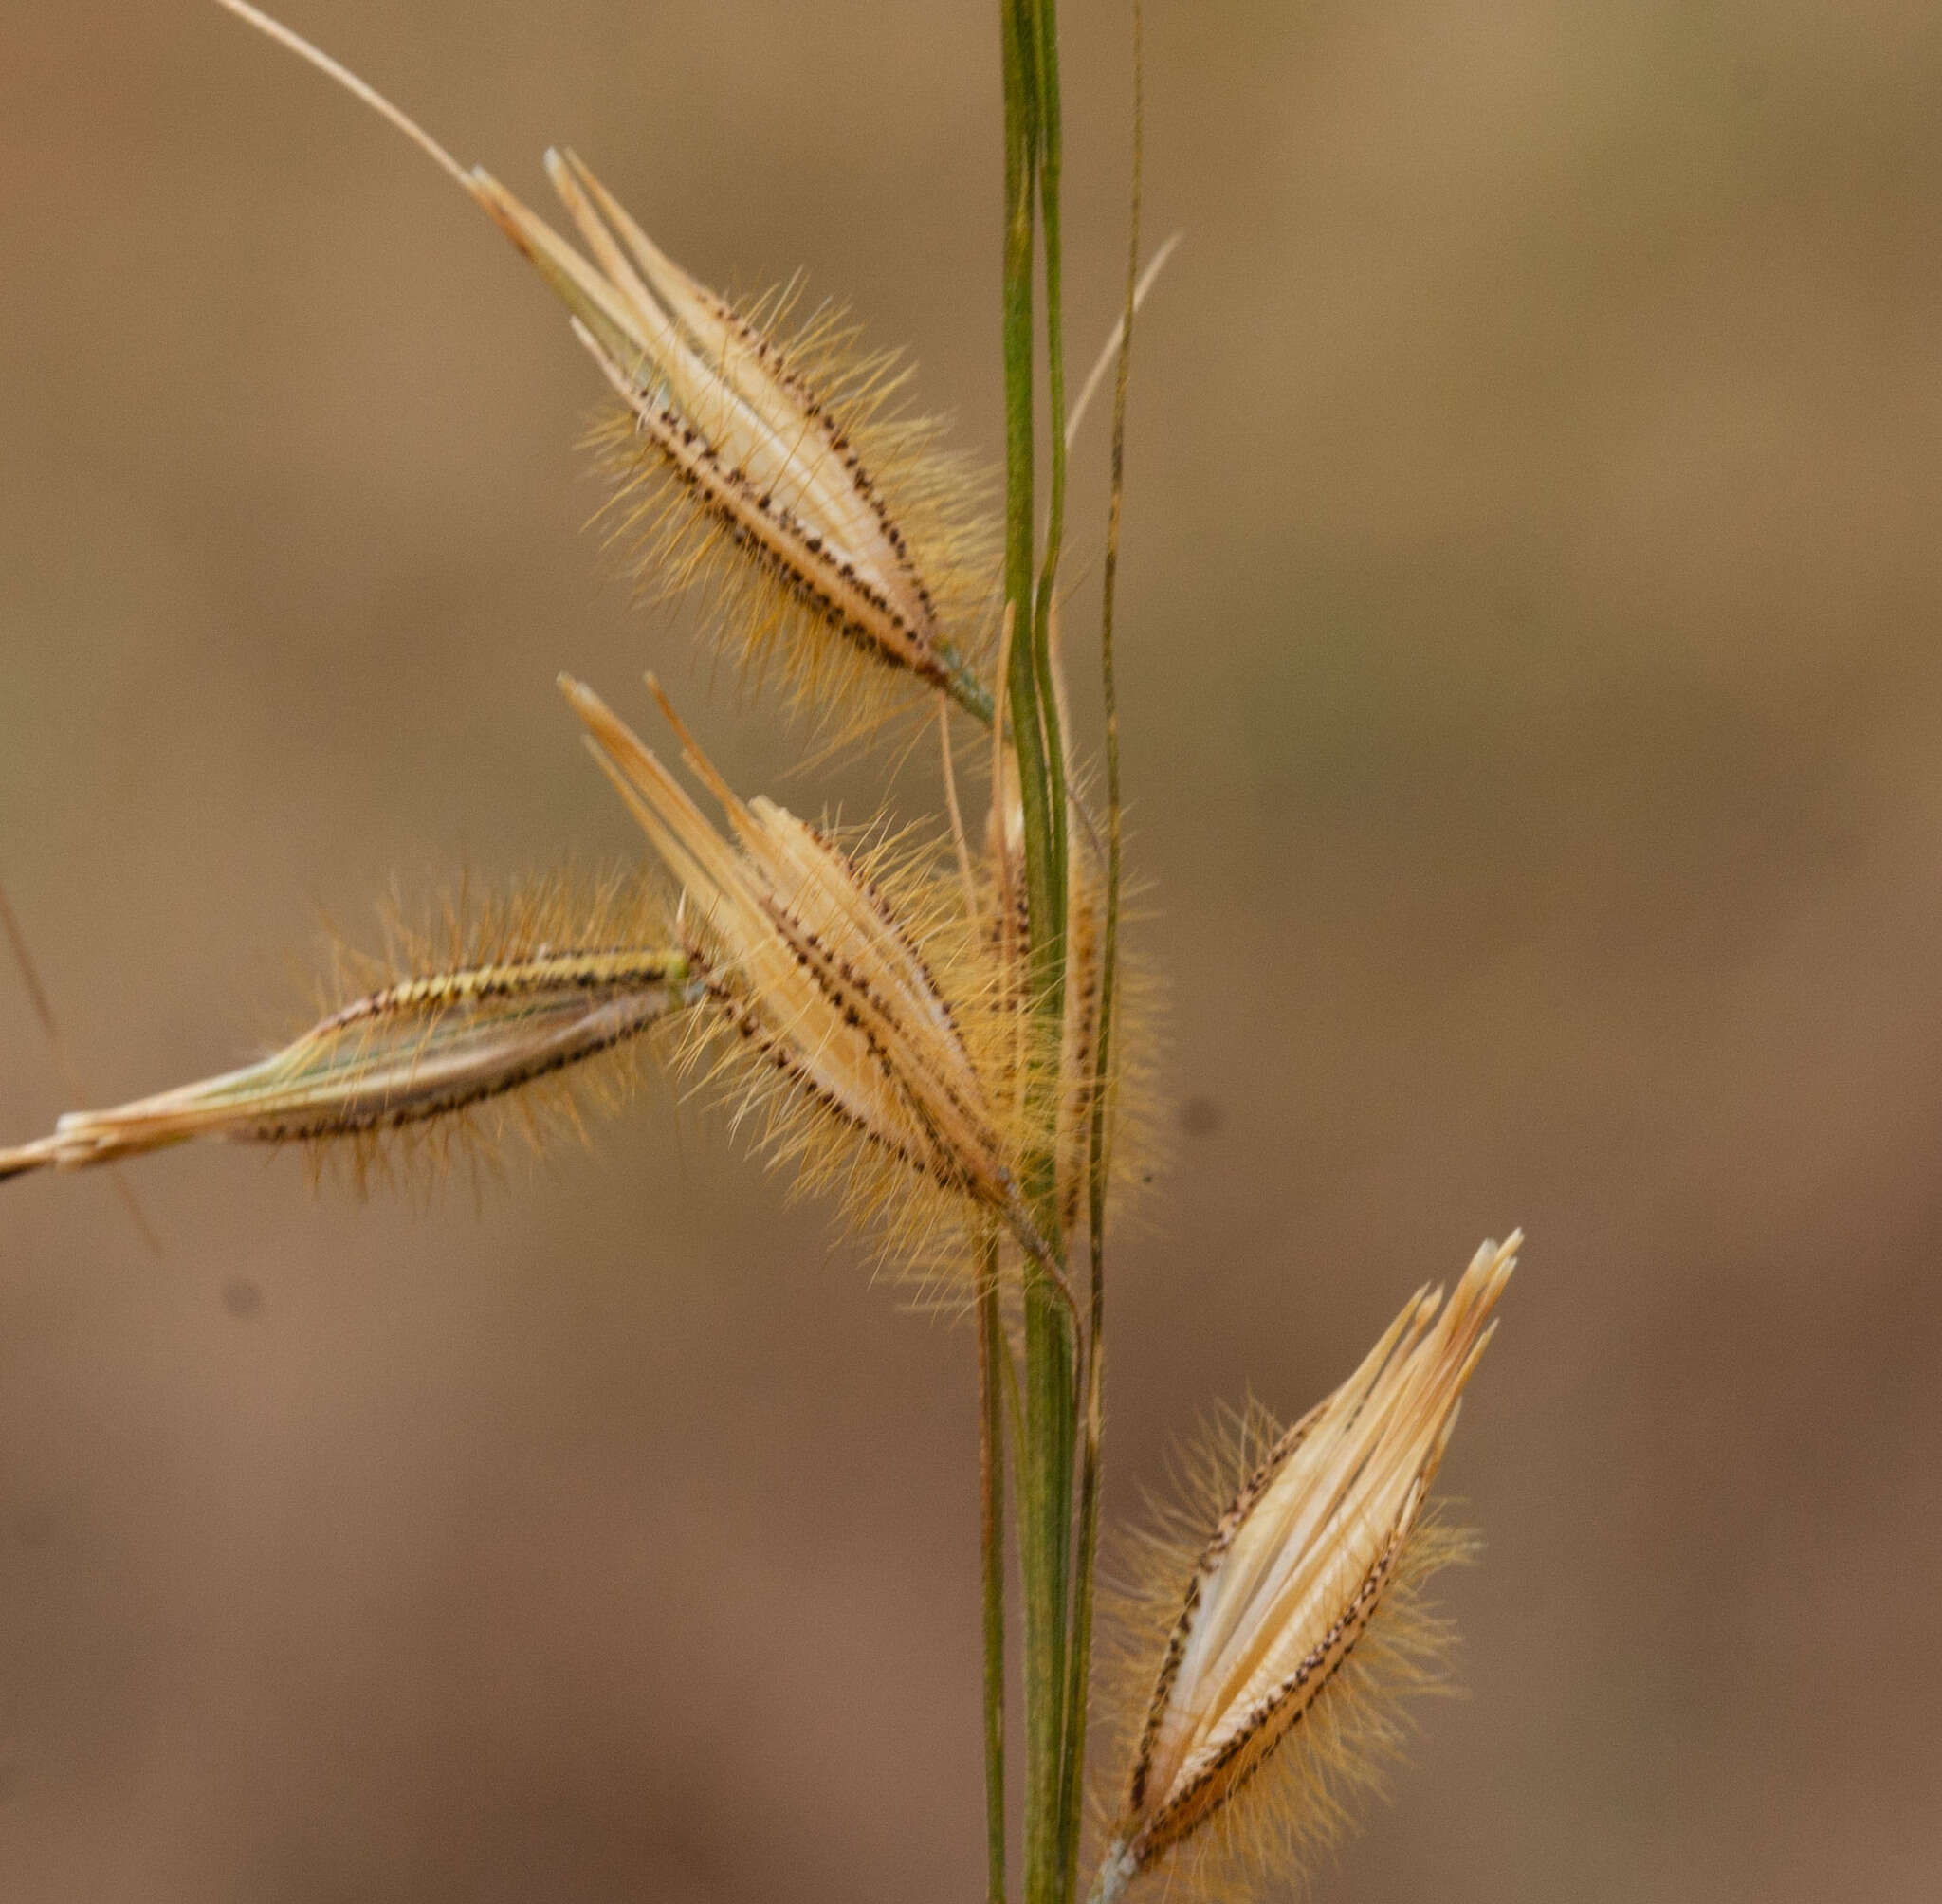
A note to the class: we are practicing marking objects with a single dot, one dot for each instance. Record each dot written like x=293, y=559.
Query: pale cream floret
x=1298, y=1566
x=815, y=964
x=415, y=1052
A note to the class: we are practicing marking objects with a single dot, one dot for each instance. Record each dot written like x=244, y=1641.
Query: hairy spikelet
x=1138, y=1020
x=770, y=468
x=1302, y=1799
x=914, y=1218
x=831, y=984
x=1278, y=1652
x=769, y=615
x=779, y=469
x=494, y=1013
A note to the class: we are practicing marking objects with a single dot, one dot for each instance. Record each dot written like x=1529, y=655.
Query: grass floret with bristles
x=782, y=609
x=835, y=986
x=1302, y=1799
x=1288, y=1615
x=519, y=1004
x=753, y=479
x=771, y=467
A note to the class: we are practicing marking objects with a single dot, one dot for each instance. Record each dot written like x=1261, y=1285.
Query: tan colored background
x=1534, y=709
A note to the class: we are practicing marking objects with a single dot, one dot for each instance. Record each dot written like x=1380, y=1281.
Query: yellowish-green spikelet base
x=1299, y=1800
x=768, y=612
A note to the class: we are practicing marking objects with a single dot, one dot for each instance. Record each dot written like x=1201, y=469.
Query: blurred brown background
x=1533, y=711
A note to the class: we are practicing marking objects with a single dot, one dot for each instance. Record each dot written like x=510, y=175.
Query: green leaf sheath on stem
x=992, y=1351
x=1100, y=1145
x=1046, y=903
x=1076, y=1619
x=1046, y=1461
x=1046, y=1514
x=1049, y=169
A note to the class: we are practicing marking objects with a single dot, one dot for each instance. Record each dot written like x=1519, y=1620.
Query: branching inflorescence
x=936, y=1029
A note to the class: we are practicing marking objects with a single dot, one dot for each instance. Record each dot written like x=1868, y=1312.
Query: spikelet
x=843, y=546
x=419, y=1052
x=817, y=971
x=831, y=528
x=1006, y=1031
x=1300, y=1621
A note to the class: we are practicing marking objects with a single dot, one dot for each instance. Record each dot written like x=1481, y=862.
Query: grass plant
x=932, y=1024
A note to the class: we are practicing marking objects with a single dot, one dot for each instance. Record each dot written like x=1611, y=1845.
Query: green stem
x=1051, y=164
x=1100, y=1136
x=1079, y=1660
x=1045, y=1508
x=1077, y=1619
x=1045, y=1549
x=991, y=1349
x=1021, y=158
